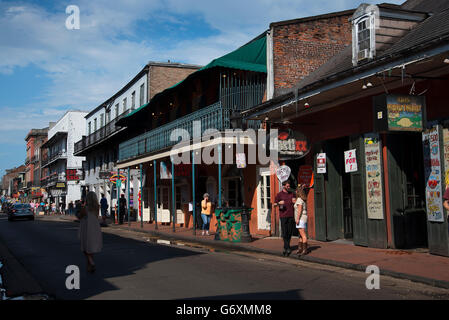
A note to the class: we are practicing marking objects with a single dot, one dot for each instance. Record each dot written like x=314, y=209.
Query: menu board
x=433, y=175
x=374, y=192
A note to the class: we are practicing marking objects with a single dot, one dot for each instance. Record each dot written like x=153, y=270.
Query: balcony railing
x=34, y=159
x=54, y=157
x=100, y=134
x=212, y=117
x=27, y=160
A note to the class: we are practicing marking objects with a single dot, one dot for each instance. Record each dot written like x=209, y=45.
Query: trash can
x=233, y=224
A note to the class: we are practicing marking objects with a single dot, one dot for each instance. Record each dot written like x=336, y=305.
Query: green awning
x=250, y=57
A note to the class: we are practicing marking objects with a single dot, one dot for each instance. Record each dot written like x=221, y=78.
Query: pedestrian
x=70, y=208
x=206, y=210
x=53, y=208
x=104, y=207
x=122, y=209
x=90, y=232
x=32, y=206
x=301, y=219
x=285, y=201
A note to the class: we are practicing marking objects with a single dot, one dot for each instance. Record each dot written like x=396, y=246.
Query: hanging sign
x=305, y=176
x=350, y=161
x=283, y=173
x=241, y=160
x=399, y=113
x=321, y=163
x=433, y=175
x=373, y=175
x=292, y=144
x=74, y=174
x=116, y=177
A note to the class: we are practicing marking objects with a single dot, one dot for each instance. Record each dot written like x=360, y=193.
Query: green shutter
x=358, y=194
x=320, y=199
x=333, y=187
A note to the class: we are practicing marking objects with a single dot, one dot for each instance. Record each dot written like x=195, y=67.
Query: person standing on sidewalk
x=90, y=232
x=104, y=207
x=122, y=210
x=301, y=219
x=285, y=201
x=206, y=210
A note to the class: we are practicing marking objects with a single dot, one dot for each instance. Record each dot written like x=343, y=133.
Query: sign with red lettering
x=350, y=161
x=292, y=144
x=305, y=176
x=74, y=174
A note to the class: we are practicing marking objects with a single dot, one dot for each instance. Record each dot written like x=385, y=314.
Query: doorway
x=163, y=204
x=263, y=199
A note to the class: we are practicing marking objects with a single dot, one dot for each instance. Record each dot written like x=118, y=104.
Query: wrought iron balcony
x=99, y=135
x=27, y=160
x=212, y=117
x=54, y=157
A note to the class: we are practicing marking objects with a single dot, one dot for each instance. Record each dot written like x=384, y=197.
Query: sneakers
x=202, y=233
x=207, y=233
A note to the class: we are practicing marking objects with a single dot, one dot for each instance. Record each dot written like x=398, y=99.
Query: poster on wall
x=321, y=163
x=446, y=155
x=433, y=175
x=373, y=174
x=305, y=176
x=350, y=161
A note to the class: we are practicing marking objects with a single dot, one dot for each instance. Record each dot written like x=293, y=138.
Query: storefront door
x=163, y=204
x=263, y=200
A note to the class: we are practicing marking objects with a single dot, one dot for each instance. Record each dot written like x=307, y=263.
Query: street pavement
x=133, y=267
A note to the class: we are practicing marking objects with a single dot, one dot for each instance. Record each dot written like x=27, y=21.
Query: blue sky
x=46, y=69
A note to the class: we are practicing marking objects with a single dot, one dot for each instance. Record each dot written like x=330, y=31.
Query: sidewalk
x=414, y=265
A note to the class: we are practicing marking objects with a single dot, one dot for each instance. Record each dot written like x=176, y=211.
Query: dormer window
x=363, y=33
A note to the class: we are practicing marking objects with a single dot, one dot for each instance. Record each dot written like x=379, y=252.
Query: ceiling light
x=364, y=87
x=369, y=84
x=446, y=60
x=306, y=105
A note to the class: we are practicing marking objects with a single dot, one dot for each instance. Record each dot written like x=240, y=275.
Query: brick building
x=34, y=140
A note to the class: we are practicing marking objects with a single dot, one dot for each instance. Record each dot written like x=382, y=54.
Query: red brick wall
x=162, y=77
x=301, y=47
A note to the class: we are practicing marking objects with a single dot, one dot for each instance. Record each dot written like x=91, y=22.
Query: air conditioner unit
x=363, y=54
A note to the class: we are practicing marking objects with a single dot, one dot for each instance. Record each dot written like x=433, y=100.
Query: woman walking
x=90, y=231
x=206, y=210
x=301, y=219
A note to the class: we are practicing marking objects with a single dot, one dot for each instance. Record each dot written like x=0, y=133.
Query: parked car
x=20, y=211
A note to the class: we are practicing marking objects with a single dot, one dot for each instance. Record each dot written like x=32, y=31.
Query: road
x=132, y=267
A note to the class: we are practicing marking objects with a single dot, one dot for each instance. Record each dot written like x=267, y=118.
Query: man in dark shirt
x=285, y=200
x=123, y=211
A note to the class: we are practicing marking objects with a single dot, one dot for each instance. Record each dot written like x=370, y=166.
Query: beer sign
x=292, y=144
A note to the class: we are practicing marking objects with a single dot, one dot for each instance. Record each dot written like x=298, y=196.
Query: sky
x=47, y=69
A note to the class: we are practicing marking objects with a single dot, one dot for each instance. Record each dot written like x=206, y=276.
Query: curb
x=238, y=247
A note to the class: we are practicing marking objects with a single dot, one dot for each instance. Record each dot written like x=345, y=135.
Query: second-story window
x=142, y=94
x=95, y=124
x=364, y=33
x=133, y=100
x=89, y=128
x=124, y=105
x=108, y=116
x=102, y=120
x=116, y=110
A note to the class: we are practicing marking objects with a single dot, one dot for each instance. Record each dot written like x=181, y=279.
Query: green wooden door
x=333, y=186
x=358, y=196
x=320, y=200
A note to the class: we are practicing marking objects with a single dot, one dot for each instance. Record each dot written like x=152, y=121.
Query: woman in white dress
x=301, y=219
x=90, y=232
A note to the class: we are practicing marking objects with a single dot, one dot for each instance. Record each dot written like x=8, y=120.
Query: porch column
x=141, y=198
x=118, y=188
x=193, y=196
x=173, y=194
x=155, y=195
x=129, y=198
x=219, y=175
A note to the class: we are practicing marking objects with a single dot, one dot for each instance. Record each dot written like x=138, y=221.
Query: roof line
x=311, y=18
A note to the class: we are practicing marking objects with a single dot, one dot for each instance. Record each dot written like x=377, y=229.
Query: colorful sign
x=446, y=155
x=433, y=175
x=305, y=176
x=404, y=113
x=74, y=174
x=292, y=144
x=116, y=177
x=350, y=161
x=60, y=185
x=321, y=163
x=373, y=175
x=283, y=173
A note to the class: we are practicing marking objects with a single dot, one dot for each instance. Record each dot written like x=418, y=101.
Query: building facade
x=100, y=142
x=59, y=162
x=34, y=140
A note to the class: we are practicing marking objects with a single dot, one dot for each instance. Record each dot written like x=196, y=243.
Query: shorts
x=302, y=223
